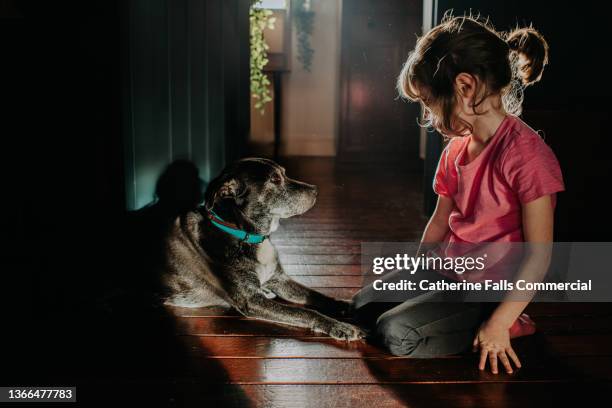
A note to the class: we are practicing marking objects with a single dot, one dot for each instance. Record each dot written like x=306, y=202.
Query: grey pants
x=428, y=324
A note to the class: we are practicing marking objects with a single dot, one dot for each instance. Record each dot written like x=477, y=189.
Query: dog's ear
x=229, y=189
x=223, y=188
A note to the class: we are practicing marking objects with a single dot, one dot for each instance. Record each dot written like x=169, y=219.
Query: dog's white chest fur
x=266, y=256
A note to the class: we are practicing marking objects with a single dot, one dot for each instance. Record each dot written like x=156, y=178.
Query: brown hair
x=503, y=63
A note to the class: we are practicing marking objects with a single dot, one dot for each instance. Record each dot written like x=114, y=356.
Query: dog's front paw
x=346, y=332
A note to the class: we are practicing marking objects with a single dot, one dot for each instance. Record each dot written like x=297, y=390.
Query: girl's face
x=470, y=102
x=433, y=113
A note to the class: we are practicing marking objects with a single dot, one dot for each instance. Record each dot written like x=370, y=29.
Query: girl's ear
x=465, y=86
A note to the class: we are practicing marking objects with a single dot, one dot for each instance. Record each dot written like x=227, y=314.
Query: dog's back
x=189, y=276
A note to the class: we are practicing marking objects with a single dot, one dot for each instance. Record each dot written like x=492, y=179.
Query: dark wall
x=569, y=106
x=62, y=166
x=185, y=87
x=66, y=67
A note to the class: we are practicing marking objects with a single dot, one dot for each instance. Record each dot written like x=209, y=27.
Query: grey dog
x=220, y=254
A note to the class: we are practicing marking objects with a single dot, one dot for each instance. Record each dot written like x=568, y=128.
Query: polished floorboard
x=567, y=362
x=213, y=357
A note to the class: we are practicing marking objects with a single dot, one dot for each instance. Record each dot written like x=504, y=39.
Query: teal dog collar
x=235, y=232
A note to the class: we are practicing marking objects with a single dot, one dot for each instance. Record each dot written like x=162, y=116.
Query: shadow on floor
x=98, y=323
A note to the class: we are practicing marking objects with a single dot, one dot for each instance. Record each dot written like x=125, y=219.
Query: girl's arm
x=493, y=338
x=437, y=227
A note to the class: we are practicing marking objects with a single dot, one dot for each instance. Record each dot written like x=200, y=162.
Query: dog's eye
x=276, y=178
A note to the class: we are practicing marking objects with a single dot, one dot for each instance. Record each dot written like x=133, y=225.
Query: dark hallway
x=103, y=95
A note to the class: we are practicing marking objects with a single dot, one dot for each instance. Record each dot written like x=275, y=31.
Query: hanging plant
x=260, y=19
x=304, y=23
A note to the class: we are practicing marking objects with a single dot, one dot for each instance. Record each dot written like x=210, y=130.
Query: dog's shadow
x=179, y=189
x=139, y=336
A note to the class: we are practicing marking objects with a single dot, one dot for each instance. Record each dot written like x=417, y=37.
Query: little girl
x=496, y=182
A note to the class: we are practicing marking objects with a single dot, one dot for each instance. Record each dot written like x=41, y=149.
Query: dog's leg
x=256, y=305
x=288, y=289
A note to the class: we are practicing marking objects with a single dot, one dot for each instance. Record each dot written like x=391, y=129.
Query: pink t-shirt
x=514, y=168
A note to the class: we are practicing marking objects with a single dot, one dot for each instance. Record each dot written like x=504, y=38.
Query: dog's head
x=256, y=193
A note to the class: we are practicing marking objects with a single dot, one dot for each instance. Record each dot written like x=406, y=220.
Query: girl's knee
x=401, y=338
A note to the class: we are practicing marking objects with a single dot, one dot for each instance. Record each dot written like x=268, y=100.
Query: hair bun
x=532, y=51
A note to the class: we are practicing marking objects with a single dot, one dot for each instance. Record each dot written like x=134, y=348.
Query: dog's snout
x=315, y=190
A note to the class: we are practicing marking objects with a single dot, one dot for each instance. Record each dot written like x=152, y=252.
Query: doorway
x=374, y=124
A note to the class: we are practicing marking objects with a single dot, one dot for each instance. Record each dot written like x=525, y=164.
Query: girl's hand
x=493, y=340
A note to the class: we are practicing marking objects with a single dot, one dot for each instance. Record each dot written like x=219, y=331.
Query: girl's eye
x=276, y=179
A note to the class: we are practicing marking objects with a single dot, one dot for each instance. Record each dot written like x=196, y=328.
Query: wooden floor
x=253, y=363
x=127, y=353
